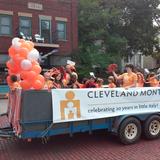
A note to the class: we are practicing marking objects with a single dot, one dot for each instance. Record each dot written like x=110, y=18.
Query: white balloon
x=33, y=55
x=15, y=42
x=26, y=64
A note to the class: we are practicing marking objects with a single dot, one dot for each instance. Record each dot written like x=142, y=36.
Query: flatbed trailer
x=30, y=116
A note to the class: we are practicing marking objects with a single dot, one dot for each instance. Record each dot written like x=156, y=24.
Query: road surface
x=98, y=146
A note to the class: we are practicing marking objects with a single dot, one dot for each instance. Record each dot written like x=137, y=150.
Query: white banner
x=85, y=104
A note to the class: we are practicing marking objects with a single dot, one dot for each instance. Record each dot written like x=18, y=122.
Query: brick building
x=54, y=20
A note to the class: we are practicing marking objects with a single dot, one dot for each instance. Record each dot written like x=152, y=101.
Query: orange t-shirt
x=111, y=85
x=48, y=84
x=128, y=79
x=153, y=82
x=99, y=85
x=14, y=85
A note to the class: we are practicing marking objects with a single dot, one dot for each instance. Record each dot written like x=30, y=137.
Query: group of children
x=67, y=77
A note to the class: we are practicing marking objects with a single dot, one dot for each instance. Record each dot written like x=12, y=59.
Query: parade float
x=34, y=112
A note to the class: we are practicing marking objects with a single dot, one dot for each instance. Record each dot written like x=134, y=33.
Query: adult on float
x=152, y=80
x=69, y=69
x=74, y=81
x=129, y=79
x=140, y=79
x=58, y=80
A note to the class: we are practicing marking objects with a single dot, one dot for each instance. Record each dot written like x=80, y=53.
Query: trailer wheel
x=130, y=131
x=152, y=127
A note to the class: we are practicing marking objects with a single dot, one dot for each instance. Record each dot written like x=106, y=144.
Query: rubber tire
x=121, y=132
x=146, y=127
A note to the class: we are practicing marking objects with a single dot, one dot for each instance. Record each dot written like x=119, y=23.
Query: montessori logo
x=70, y=107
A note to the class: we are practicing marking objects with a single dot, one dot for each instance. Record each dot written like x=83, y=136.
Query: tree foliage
x=109, y=30
x=138, y=17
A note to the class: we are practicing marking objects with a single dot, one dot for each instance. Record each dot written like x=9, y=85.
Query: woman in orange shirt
x=129, y=79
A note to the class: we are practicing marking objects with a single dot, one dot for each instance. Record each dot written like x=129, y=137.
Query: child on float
x=129, y=78
x=91, y=83
x=111, y=82
x=74, y=81
x=14, y=83
x=69, y=69
x=84, y=82
x=100, y=82
x=57, y=78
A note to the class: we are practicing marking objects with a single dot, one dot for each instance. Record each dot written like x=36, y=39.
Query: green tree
x=99, y=43
x=109, y=30
x=138, y=28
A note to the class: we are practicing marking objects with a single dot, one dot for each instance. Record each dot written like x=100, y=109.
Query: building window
x=25, y=26
x=45, y=26
x=61, y=30
x=5, y=25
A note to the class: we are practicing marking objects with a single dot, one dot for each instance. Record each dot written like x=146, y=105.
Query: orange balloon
x=17, y=59
x=40, y=78
x=16, y=68
x=35, y=62
x=10, y=72
x=9, y=64
x=8, y=80
x=23, y=52
x=37, y=69
x=25, y=85
x=24, y=74
x=31, y=44
x=13, y=67
x=31, y=75
x=21, y=40
x=26, y=45
x=11, y=51
x=37, y=85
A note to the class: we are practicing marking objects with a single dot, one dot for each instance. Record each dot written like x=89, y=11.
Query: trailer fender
x=116, y=122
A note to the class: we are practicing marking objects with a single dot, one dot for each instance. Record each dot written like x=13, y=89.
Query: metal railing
x=38, y=38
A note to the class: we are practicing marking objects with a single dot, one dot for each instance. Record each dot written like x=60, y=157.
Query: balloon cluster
x=24, y=64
